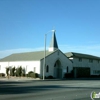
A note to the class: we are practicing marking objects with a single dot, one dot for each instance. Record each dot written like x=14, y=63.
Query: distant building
x=57, y=63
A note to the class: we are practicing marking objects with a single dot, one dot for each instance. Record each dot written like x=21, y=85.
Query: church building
x=57, y=63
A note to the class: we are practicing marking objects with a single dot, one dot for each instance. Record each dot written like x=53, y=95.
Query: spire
x=53, y=44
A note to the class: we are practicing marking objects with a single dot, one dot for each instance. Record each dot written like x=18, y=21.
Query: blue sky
x=23, y=24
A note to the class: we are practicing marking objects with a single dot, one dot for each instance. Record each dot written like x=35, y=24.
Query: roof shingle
x=27, y=56
x=73, y=54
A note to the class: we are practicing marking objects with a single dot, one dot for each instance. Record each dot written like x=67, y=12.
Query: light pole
x=45, y=53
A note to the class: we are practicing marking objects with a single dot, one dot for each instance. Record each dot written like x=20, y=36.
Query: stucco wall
x=28, y=65
x=50, y=61
x=95, y=65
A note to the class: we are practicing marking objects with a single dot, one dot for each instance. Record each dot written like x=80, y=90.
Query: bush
x=94, y=76
x=23, y=72
x=2, y=75
x=36, y=75
x=31, y=74
x=50, y=77
x=26, y=75
x=19, y=71
x=7, y=71
x=69, y=75
x=13, y=71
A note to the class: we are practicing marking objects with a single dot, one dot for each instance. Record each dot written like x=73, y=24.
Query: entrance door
x=57, y=69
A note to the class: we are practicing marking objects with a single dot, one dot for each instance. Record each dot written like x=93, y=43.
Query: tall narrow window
x=67, y=69
x=55, y=65
x=47, y=69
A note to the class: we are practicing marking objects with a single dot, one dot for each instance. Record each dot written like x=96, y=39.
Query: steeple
x=53, y=44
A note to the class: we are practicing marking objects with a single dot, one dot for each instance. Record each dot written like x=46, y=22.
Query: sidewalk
x=18, y=79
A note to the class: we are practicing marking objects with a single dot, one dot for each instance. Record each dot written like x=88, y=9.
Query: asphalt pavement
x=48, y=89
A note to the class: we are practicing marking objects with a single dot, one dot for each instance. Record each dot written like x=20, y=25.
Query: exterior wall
x=3, y=66
x=95, y=69
x=28, y=65
x=94, y=66
x=50, y=61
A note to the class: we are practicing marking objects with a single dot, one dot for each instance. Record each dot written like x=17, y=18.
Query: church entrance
x=57, y=69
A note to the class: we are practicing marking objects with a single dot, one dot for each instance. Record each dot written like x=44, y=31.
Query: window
x=55, y=65
x=91, y=60
x=67, y=69
x=47, y=69
x=80, y=59
x=0, y=67
x=96, y=71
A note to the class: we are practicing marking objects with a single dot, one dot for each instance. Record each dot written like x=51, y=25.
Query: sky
x=24, y=23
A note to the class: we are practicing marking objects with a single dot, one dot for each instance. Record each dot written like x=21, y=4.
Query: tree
x=11, y=74
x=23, y=72
x=7, y=71
x=19, y=71
x=13, y=71
x=16, y=72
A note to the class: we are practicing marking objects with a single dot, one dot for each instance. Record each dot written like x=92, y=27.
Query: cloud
x=89, y=49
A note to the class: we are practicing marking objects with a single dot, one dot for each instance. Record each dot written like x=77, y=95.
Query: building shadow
x=15, y=88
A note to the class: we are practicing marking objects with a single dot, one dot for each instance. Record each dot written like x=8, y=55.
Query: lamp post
x=45, y=53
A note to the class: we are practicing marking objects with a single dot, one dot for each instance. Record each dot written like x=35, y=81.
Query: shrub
x=32, y=74
x=16, y=72
x=23, y=72
x=13, y=71
x=19, y=71
x=29, y=73
x=69, y=75
x=2, y=75
x=7, y=71
x=94, y=76
x=50, y=77
x=36, y=75
x=26, y=75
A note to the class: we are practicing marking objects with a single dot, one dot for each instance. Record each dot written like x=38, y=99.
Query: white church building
x=57, y=63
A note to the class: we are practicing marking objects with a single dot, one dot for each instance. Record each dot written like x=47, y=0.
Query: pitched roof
x=73, y=54
x=54, y=41
x=27, y=56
